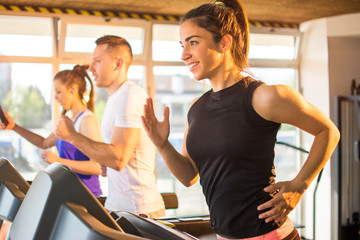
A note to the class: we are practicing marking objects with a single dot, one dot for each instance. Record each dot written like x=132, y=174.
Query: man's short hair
x=113, y=41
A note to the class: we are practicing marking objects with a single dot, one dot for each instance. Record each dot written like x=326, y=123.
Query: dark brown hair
x=221, y=18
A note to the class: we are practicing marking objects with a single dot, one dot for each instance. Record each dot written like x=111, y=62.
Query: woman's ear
x=72, y=89
x=226, y=42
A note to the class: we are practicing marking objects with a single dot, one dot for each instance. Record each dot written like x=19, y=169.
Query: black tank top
x=233, y=149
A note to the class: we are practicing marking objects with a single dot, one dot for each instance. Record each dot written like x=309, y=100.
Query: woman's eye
x=193, y=43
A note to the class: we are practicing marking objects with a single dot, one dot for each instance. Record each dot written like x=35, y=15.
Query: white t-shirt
x=133, y=188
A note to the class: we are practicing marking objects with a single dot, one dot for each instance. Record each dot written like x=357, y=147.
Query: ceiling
x=278, y=11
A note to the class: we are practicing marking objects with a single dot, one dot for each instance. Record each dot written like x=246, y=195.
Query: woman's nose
x=185, y=54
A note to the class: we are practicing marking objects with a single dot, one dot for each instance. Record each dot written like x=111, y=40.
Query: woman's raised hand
x=11, y=123
x=157, y=131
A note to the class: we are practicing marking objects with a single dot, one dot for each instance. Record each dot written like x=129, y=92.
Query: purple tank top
x=68, y=151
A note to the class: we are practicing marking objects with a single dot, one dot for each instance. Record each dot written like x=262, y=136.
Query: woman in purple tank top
x=70, y=91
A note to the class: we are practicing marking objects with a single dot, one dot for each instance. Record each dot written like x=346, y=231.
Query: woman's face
x=200, y=53
x=63, y=94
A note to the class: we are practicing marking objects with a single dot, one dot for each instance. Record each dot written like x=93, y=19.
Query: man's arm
x=114, y=155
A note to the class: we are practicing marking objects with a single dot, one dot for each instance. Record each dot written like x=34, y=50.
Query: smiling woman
x=175, y=87
x=228, y=125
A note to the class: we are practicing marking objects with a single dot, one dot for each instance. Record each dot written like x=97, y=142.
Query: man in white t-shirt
x=127, y=152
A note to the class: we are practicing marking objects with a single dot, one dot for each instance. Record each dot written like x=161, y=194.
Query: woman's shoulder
x=89, y=124
x=193, y=101
x=268, y=99
x=272, y=92
x=87, y=116
x=87, y=112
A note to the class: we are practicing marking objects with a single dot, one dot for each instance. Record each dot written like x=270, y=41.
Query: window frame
x=275, y=63
x=90, y=20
